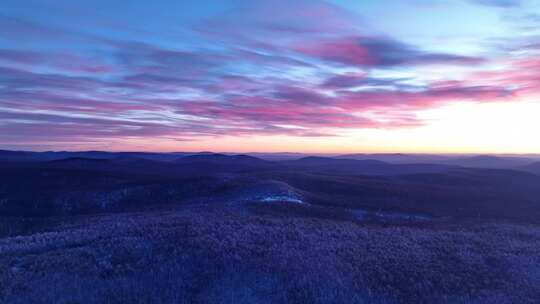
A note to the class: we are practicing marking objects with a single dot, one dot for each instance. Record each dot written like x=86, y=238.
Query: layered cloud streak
x=308, y=69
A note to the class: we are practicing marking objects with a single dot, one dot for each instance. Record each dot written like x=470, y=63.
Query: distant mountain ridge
x=491, y=161
x=123, y=181
x=221, y=158
x=319, y=160
x=399, y=158
x=363, y=167
x=428, y=161
x=58, y=155
x=473, y=161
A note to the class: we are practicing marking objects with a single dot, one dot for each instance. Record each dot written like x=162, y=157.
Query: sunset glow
x=336, y=76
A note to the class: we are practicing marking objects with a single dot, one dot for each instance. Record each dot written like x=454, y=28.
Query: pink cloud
x=274, y=68
x=346, y=51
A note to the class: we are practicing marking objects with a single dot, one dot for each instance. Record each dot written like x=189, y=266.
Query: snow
x=272, y=199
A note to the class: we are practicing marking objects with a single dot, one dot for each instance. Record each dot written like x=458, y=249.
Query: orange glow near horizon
x=504, y=128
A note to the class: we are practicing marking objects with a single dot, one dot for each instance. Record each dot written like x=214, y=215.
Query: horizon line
x=282, y=152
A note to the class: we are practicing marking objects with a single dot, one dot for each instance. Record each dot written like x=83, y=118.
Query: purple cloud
x=377, y=52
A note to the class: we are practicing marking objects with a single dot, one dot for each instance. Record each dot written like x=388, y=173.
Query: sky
x=336, y=76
